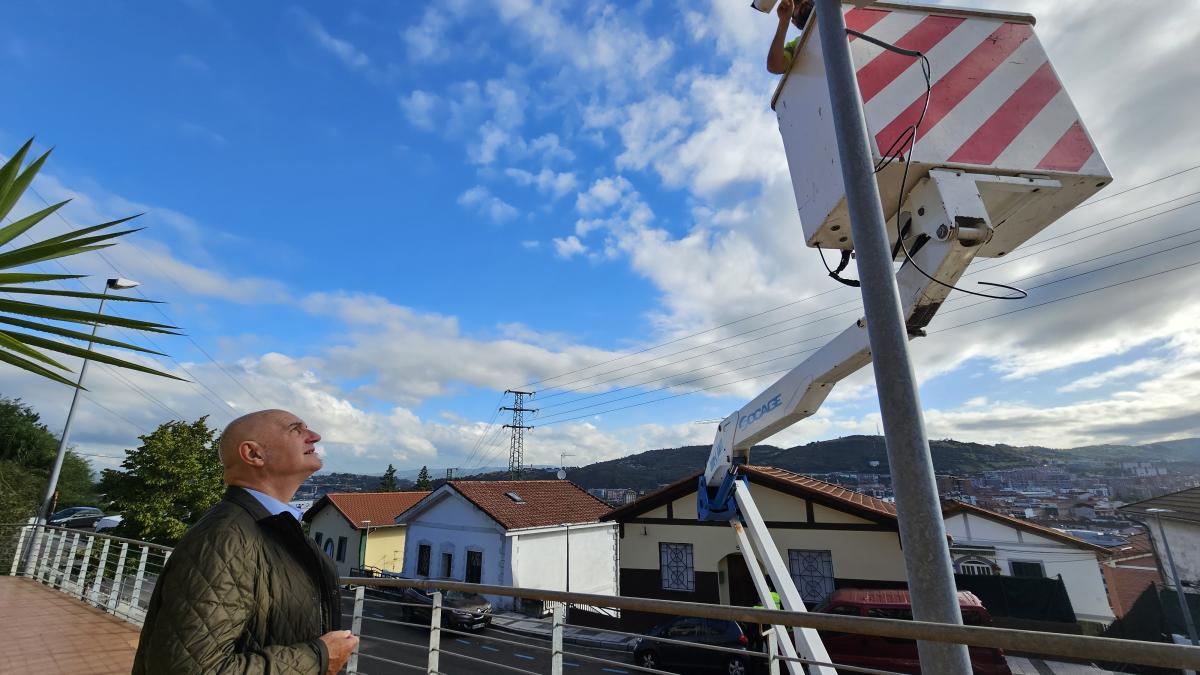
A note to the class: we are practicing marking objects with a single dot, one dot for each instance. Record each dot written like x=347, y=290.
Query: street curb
x=582, y=642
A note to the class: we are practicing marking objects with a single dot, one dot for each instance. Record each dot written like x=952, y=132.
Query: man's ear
x=251, y=453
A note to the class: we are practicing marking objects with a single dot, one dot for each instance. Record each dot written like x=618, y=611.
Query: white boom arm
x=949, y=222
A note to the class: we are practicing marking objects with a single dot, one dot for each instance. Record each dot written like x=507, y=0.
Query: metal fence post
x=114, y=592
x=12, y=572
x=356, y=628
x=435, y=633
x=772, y=663
x=53, y=551
x=918, y=508
x=64, y=577
x=556, y=640
x=135, y=599
x=81, y=582
x=94, y=596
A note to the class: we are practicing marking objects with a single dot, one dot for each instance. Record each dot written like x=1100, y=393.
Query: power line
x=852, y=302
x=789, y=304
x=1137, y=187
x=968, y=323
x=155, y=305
x=567, y=388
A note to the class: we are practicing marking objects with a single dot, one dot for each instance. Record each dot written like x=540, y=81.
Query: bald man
x=245, y=591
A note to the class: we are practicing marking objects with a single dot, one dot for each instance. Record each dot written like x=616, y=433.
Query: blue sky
x=380, y=216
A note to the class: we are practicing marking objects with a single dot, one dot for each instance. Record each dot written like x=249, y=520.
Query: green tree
x=27, y=450
x=423, y=480
x=388, y=482
x=28, y=351
x=167, y=483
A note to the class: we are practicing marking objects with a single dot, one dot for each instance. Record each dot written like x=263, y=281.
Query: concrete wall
x=1078, y=566
x=1184, y=540
x=385, y=548
x=864, y=551
x=332, y=524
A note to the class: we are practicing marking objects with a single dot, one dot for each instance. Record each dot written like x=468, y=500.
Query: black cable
x=926, y=70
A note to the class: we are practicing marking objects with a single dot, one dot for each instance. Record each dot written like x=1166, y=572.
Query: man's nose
x=314, y=436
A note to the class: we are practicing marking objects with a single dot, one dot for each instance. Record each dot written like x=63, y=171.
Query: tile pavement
x=50, y=632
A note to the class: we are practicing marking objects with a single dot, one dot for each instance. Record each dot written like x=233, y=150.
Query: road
x=379, y=638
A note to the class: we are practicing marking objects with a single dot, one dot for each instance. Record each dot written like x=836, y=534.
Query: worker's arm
x=777, y=58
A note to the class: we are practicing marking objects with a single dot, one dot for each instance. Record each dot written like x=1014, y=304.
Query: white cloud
x=203, y=133
x=420, y=107
x=557, y=184
x=350, y=56
x=428, y=40
x=568, y=247
x=483, y=201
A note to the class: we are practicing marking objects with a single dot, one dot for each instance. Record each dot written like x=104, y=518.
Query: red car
x=895, y=654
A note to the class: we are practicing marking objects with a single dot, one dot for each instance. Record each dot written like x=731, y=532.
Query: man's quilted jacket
x=243, y=592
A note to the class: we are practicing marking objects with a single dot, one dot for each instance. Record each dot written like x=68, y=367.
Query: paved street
x=379, y=639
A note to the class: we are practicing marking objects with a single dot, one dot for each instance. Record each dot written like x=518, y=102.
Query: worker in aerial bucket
x=779, y=57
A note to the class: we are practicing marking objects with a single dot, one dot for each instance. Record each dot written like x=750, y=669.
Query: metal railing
x=111, y=573
x=118, y=576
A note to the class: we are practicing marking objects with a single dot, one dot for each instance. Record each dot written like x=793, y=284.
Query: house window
x=1027, y=569
x=423, y=560
x=341, y=551
x=676, y=566
x=329, y=547
x=474, y=567
x=975, y=568
x=812, y=572
x=447, y=565
x=317, y=538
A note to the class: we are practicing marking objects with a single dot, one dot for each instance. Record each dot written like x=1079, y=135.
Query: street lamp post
x=366, y=535
x=1183, y=605
x=43, y=513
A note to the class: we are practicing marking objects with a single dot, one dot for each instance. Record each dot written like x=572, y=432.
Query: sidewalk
x=50, y=632
x=579, y=635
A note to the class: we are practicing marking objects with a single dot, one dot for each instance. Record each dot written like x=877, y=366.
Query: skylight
x=515, y=497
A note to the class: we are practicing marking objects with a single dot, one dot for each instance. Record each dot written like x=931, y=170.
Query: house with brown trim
x=545, y=534
x=830, y=537
x=358, y=529
x=987, y=543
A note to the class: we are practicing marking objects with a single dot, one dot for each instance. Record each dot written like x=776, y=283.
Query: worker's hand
x=784, y=10
x=340, y=644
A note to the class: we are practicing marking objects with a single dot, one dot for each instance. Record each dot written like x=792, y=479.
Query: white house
x=986, y=542
x=358, y=529
x=1178, y=516
x=529, y=534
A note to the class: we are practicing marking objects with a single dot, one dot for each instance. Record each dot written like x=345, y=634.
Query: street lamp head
x=120, y=284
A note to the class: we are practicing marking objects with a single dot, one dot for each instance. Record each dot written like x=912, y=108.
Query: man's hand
x=340, y=644
x=784, y=10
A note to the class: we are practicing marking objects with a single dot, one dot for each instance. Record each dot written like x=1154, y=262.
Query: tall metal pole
x=922, y=530
x=1183, y=605
x=52, y=486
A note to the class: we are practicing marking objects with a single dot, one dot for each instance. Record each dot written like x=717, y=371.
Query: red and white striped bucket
x=997, y=106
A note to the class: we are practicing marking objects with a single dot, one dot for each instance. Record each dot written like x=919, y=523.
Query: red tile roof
x=381, y=508
x=837, y=492
x=1125, y=585
x=544, y=502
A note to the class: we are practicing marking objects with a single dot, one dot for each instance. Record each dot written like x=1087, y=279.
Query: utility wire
x=789, y=304
x=753, y=377
x=855, y=303
x=157, y=308
x=736, y=370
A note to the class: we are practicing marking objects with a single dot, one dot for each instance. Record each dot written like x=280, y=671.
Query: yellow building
x=358, y=529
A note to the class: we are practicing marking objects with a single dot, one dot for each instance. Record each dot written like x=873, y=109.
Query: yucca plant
x=27, y=350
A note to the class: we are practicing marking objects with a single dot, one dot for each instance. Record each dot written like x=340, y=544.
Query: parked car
x=896, y=654
x=464, y=611
x=108, y=522
x=461, y=611
x=77, y=517
x=651, y=653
